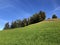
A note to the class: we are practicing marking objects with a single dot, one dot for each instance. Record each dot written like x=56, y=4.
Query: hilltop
x=43, y=33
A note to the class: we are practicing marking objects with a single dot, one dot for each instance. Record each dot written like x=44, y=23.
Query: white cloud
x=54, y=11
x=58, y=8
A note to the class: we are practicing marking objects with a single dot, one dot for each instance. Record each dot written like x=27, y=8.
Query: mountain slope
x=43, y=33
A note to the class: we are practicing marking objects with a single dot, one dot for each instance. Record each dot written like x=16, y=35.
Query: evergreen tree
x=22, y=24
x=33, y=19
x=42, y=15
x=25, y=21
x=7, y=26
x=19, y=22
x=14, y=24
x=28, y=21
x=54, y=16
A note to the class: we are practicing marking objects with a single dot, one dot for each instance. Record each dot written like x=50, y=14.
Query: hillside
x=43, y=33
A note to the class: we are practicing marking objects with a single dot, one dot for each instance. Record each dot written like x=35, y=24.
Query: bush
x=54, y=16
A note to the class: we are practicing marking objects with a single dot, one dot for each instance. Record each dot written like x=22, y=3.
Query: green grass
x=42, y=33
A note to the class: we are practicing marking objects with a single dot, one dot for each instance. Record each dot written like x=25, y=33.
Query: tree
x=48, y=18
x=22, y=24
x=7, y=26
x=28, y=21
x=31, y=21
x=25, y=21
x=42, y=15
x=14, y=24
x=37, y=17
x=54, y=16
x=19, y=22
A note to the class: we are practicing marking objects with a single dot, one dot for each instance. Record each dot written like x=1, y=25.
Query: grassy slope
x=43, y=33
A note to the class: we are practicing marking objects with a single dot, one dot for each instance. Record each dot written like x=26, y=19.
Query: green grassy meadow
x=43, y=33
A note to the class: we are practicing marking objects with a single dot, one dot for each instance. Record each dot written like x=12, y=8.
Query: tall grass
x=43, y=33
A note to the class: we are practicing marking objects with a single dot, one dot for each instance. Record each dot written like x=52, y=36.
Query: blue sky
x=11, y=10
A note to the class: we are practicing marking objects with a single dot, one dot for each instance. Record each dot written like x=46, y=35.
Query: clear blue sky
x=18, y=9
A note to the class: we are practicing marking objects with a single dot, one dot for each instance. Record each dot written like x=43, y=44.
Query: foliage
x=14, y=24
x=54, y=16
x=19, y=22
x=38, y=17
x=25, y=21
x=7, y=26
x=42, y=15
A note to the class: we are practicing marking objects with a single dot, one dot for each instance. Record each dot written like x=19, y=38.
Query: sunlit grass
x=42, y=33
